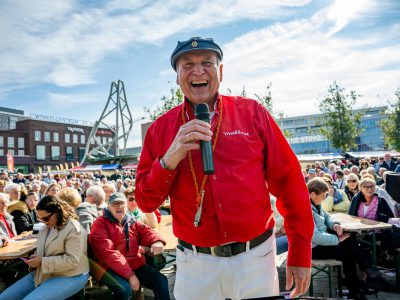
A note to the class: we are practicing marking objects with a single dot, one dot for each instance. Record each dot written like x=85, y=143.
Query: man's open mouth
x=199, y=83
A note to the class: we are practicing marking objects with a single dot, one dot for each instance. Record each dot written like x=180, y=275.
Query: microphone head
x=202, y=112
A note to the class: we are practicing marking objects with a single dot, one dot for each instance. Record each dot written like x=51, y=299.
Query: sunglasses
x=131, y=198
x=371, y=187
x=46, y=219
x=351, y=181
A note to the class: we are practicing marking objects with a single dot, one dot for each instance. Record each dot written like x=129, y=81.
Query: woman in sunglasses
x=149, y=219
x=351, y=188
x=59, y=268
x=369, y=205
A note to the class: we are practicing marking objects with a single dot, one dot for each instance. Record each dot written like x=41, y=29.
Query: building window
x=21, y=142
x=56, y=137
x=104, y=140
x=21, y=152
x=67, y=138
x=83, y=139
x=1, y=152
x=75, y=138
x=37, y=136
x=10, y=142
x=69, y=153
x=47, y=136
x=1, y=141
x=55, y=152
x=81, y=152
x=40, y=152
x=11, y=151
x=110, y=140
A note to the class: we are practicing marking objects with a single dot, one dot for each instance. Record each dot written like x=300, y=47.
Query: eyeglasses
x=131, y=198
x=371, y=187
x=350, y=181
x=45, y=219
x=118, y=203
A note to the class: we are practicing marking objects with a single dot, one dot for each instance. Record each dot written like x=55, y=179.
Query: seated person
x=24, y=212
x=59, y=268
x=86, y=212
x=118, y=263
x=282, y=243
x=95, y=195
x=336, y=199
x=351, y=188
x=329, y=241
x=369, y=205
x=149, y=219
x=7, y=226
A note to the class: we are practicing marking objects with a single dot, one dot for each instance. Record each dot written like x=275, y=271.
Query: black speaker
x=393, y=186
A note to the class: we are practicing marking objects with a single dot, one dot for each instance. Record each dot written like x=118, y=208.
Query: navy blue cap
x=194, y=43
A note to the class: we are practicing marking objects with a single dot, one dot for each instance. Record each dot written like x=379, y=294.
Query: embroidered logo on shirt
x=237, y=131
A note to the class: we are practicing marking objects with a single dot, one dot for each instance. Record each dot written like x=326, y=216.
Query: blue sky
x=59, y=57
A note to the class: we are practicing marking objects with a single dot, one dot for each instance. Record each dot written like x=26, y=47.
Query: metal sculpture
x=117, y=105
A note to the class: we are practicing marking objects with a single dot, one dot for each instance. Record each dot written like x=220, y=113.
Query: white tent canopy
x=371, y=154
x=318, y=156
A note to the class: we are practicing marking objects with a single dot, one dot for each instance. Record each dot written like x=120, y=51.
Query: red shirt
x=252, y=159
x=9, y=231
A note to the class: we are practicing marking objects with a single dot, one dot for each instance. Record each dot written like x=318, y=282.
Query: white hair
x=5, y=197
x=98, y=194
x=12, y=187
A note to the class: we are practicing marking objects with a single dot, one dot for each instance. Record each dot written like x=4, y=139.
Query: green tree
x=341, y=126
x=266, y=101
x=391, y=125
x=167, y=103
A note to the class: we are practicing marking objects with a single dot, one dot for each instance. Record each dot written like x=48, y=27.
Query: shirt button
x=220, y=205
x=215, y=177
x=225, y=234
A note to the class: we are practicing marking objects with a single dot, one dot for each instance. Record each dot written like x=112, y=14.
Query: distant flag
x=66, y=166
x=40, y=170
x=10, y=162
x=61, y=167
x=58, y=167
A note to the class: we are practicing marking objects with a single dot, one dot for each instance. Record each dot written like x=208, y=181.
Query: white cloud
x=61, y=42
x=72, y=100
x=301, y=60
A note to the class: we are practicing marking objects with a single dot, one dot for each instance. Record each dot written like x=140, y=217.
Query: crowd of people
x=356, y=188
x=89, y=222
x=90, y=206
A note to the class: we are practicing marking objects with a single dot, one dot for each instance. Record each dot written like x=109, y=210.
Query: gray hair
x=12, y=187
x=98, y=194
x=5, y=197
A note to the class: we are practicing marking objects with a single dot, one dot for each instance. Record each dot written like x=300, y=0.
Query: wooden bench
x=326, y=266
x=318, y=266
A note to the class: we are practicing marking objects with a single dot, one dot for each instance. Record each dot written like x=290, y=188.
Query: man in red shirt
x=224, y=221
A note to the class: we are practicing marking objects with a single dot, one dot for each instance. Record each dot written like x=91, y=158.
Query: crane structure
x=116, y=112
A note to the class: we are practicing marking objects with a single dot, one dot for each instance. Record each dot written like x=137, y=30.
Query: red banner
x=10, y=162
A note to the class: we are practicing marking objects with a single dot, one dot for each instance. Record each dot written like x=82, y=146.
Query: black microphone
x=202, y=113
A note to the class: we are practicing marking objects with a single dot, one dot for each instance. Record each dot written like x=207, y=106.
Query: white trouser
x=249, y=274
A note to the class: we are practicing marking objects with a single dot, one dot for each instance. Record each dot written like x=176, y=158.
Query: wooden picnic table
x=356, y=224
x=165, y=230
x=19, y=246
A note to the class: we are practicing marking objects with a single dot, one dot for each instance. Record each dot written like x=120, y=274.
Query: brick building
x=37, y=143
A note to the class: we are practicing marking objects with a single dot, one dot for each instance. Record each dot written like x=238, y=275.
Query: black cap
x=194, y=43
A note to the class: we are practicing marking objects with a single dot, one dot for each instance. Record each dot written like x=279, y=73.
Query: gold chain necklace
x=200, y=192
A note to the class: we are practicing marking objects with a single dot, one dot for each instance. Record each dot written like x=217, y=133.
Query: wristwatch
x=162, y=163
